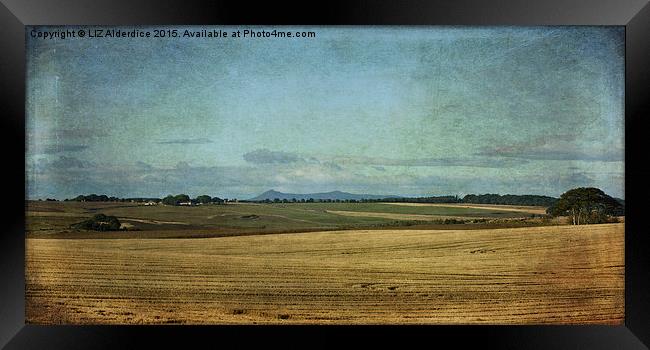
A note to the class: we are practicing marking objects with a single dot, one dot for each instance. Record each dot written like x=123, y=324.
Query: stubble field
x=531, y=275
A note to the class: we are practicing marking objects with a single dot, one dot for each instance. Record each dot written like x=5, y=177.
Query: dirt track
x=395, y=216
x=515, y=208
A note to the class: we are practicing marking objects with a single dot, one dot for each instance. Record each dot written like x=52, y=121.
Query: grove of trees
x=203, y=199
x=99, y=222
x=183, y=198
x=176, y=200
x=94, y=198
x=586, y=205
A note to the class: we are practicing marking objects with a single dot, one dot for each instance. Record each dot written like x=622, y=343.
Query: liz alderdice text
x=167, y=33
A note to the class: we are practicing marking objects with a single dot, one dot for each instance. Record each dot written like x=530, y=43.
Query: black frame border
x=633, y=14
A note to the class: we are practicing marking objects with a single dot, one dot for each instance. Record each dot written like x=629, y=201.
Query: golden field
x=529, y=275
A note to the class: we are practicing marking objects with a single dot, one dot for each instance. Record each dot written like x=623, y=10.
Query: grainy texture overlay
x=378, y=110
x=315, y=175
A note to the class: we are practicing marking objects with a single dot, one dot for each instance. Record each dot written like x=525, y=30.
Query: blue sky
x=381, y=110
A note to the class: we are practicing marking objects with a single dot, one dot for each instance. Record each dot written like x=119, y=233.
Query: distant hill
x=272, y=194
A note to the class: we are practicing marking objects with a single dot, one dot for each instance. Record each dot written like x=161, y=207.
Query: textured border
x=634, y=14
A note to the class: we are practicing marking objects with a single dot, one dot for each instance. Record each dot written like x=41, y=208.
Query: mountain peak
x=273, y=194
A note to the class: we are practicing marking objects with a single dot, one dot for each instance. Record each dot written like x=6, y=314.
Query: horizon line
x=253, y=196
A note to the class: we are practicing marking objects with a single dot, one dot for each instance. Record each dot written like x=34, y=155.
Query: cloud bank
x=67, y=176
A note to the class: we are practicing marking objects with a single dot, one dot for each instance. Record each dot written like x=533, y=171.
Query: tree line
x=178, y=199
x=183, y=199
x=508, y=199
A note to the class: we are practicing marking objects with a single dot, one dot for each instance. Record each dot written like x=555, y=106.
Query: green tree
x=586, y=205
x=181, y=198
x=204, y=199
x=169, y=200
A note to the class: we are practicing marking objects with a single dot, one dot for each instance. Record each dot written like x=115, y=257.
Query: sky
x=411, y=111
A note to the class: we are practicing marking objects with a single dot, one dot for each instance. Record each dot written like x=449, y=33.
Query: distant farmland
x=53, y=219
